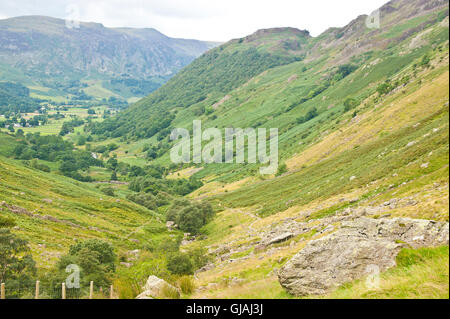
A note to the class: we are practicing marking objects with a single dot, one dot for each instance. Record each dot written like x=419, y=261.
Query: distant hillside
x=15, y=98
x=204, y=82
x=38, y=50
x=224, y=85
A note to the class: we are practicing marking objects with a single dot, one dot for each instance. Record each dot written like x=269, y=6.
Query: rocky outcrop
x=358, y=245
x=153, y=288
x=281, y=238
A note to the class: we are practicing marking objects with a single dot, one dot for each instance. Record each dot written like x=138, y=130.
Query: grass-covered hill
x=280, y=77
x=53, y=212
x=205, y=82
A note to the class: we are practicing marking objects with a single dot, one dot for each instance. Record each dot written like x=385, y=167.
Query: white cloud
x=203, y=19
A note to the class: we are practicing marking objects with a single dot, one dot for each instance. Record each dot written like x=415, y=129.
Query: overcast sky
x=218, y=20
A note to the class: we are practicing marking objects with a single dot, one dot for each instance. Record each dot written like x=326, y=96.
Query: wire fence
x=38, y=291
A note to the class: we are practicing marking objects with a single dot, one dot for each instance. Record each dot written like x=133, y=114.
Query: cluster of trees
x=96, y=260
x=308, y=117
x=388, y=86
x=150, y=201
x=15, y=98
x=154, y=185
x=136, y=87
x=53, y=148
x=69, y=127
x=115, y=103
x=190, y=216
x=338, y=74
x=32, y=122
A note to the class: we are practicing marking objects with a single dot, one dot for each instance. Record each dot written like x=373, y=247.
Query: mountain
x=38, y=50
x=206, y=80
x=227, y=81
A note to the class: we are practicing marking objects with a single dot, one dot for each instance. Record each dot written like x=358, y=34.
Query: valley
x=363, y=123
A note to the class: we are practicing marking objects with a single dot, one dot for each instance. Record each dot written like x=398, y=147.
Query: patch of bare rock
x=153, y=288
x=358, y=245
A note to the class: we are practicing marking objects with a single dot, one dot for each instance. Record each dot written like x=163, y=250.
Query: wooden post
x=111, y=292
x=63, y=291
x=36, y=295
x=2, y=291
x=91, y=290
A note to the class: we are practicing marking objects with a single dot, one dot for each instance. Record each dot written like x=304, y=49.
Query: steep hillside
x=200, y=86
x=283, y=86
x=43, y=51
x=53, y=212
x=389, y=162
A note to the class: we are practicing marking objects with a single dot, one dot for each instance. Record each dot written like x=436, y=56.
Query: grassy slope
x=372, y=147
x=97, y=215
x=264, y=100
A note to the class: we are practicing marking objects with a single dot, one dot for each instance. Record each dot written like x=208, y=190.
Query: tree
x=180, y=264
x=16, y=264
x=105, y=251
x=190, y=219
x=282, y=169
x=95, y=258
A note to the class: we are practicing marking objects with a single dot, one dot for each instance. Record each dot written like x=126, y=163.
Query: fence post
x=111, y=292
x=36, y=296
x=91, y=290
x=2, y=291
x=63, y=291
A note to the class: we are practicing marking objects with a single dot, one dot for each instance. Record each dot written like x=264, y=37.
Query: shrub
x=180, y=264
x=282, y=169
x=309, y=116
x=6, y=222
x=109, y=191
x=349, y=104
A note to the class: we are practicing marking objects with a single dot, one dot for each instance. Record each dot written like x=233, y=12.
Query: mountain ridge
x=45, y=50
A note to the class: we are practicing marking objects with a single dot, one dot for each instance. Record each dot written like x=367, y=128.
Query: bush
x=282, y=169
x=180, y=264
x=309, y=116
x=109, y=191
x=190, y=216
x=349, y=104
x=6, y=222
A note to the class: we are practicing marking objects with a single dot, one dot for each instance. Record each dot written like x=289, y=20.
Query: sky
x=213, y=20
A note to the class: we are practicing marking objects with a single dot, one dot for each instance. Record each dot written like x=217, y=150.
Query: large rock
x=281, y=238
x=153, y=288
x=357, y=247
